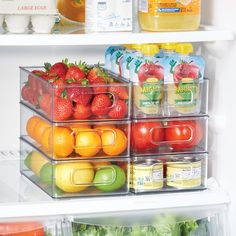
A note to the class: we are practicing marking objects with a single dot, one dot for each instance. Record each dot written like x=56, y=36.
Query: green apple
x=109, y=178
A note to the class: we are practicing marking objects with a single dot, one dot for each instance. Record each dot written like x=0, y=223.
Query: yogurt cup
x=42, y=23
x=17, y=23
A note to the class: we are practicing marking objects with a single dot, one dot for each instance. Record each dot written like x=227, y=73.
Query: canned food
x=146, y=176
x=184, y=173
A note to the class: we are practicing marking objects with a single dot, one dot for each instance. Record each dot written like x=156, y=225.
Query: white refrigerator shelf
x=70, y=36
x=21, y=198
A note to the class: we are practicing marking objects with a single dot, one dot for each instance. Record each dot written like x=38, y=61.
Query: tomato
x=183, y=134
x=21, y=229
x=146, y=136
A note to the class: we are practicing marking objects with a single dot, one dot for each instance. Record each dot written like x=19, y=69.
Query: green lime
x=27, y=160
x=109, y=178
x=46, y=173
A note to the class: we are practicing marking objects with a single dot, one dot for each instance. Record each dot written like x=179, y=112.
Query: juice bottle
x=183, y=77
x=147, y=75
x=71, y=11
x=169, y=15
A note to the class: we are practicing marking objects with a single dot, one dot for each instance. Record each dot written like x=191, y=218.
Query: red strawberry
x=96, y=72
x=81, y=95
x=76, y=73
x=58, y=86
x=25, y=92
x=82, y=112
x=59, y=69
x=63, y=109
x=45, y=103
x=120, y=91
x=101, y=105
x=101, y=88
x=119, y=110
x=33, y=98
x=32, y=81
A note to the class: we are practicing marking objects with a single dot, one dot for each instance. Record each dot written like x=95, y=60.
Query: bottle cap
x=168, y=46
x=184, y=48
x=137, y=47
x=149, y=49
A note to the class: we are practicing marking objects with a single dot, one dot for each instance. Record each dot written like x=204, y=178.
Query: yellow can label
x=170, y=7
x=147, y=177
x=184, y=175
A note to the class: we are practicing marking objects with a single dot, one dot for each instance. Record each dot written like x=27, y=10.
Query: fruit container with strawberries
x=70, y=92
x=75, y=178
x=169, y=135
x=168, y=173
x=76, y=140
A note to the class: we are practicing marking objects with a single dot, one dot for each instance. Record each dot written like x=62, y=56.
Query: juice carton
x=183, y=77
x=147, y=75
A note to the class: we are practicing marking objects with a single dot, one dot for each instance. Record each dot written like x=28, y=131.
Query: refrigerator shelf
x=74, y=37
x=21, y=198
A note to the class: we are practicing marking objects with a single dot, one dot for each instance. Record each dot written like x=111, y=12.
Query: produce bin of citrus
x=168, y=173
x=75, y=140
x=74, y=178
x=66, y=92
x=169, y=136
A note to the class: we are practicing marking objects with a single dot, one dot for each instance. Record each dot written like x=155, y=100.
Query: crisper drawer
x=47, y=226
x=168, y=173
x=69, y=101
x=64, y=141
x=169, y=135
x=153, y=99
x=198, y=221
x=75, y=178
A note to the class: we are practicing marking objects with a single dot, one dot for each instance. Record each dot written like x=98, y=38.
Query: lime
x=110, y=178
x=27, y=160
x=46, y=173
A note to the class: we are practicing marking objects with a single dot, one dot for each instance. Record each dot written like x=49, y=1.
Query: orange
x=45, y=138
x=100, y=164
x=61, y=141
x=104, y=126
x=39, y=128
x=114, y=142
x=88, y=143
x=77, y=127
x=31, y=124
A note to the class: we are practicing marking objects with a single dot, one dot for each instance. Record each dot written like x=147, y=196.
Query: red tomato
x=183, y=134
x=21, y=229
x=146, y=136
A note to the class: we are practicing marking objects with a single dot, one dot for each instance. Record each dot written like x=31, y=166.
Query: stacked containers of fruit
x=169, y=117
x=75, y=129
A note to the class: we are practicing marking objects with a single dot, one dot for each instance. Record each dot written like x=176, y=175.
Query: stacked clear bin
x=71, y=158
x=169, y=137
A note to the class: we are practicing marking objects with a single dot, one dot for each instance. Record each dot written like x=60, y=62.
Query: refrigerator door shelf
x=69, y=36
x=21, y=198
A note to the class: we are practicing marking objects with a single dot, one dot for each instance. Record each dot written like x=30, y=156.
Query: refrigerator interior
x=220, y=58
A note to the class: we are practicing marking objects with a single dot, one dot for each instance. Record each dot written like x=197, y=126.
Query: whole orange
x=31, y=123
x=45, y=138
x=39, y=129
x=61, y=141
x=88, y=143
x=77, y=127
x=114, y=142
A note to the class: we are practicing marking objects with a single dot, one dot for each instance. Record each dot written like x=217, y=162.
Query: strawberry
x=119, y=110
x=82, y=112
x=59, y=69
x=32, y=81
x=45, y=102
x=33, y=98
x=63, y=109
x=100, y=105
x=120, y=91
x=25, y=91
x=76, y=73
x=101, y=88
x=81, y=95
x=96, y=72
x=58, y=85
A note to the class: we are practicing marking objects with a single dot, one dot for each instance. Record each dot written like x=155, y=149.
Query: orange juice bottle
x=169, y=15
x=71, y=11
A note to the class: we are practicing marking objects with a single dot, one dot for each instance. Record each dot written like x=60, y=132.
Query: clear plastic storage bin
x=75, y=140
x=75, y=102
x=151, y=100
x=75, y=178
x=169, y=136
x=168, y=173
